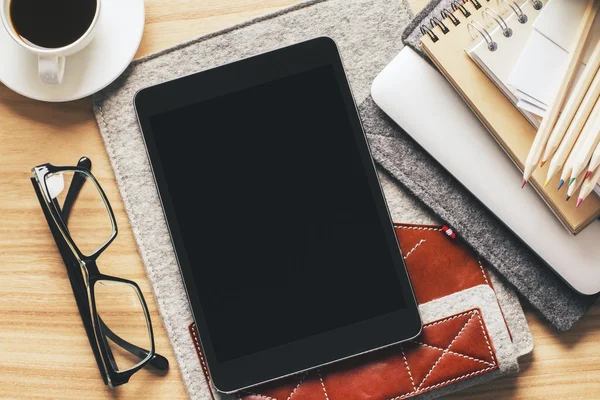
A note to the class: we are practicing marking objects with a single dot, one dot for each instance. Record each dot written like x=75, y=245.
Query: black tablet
x=278, y=220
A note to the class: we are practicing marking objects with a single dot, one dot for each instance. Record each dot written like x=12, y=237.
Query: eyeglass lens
x=82, y=206
x=123, y=320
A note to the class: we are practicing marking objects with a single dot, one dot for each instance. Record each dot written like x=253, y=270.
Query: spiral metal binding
x=537, y=4
x=476, y=4
x=436, y=21
x=489, y=13
x=476, y=30
x=521, y=16
x=425, y=30
x=445, y=13
x=456, y=5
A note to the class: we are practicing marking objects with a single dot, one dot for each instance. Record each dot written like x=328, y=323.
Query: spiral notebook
x=445, y=41
x=539, y=70
x=497, y=51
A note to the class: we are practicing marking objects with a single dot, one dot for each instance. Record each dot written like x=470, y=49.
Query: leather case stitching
x=323, y=385
x=456, y=354
x=297, y=386
x=446, y=350
x=196, y=341
x=418, y=228
x=408, y=369
x=464, y=376
x=474, y=313
x=429, y=388
x=486, y=339
x=414, y=248
x=483, y=272
x=441, y=321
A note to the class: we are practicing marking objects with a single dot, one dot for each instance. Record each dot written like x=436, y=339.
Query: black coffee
x=52, y=23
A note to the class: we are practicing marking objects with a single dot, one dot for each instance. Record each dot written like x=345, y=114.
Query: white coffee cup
x=51, y=61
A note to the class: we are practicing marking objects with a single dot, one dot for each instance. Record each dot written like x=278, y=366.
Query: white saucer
x=120, y=29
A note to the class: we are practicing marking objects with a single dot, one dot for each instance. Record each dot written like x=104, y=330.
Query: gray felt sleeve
x=513, y=314
x=426, y=179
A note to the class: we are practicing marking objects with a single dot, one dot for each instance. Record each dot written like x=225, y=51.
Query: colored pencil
x=576, y=185
x=581, y=117
x=588, y=186
x=573, y=104
x=541, y=138
x=587, y=129
x=589, y=142
x=594, y=162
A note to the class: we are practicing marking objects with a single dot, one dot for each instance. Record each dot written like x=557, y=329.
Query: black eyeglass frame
x=83, y=274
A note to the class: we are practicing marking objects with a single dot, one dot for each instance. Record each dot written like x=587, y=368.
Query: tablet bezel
x=317, y=350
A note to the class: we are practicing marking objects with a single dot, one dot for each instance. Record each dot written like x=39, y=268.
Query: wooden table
x=44, y=352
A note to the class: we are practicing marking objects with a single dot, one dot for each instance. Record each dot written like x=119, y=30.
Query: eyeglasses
x=113, y=310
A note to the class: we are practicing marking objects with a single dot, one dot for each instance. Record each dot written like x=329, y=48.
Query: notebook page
x=530, y=107
x=559, y=22
x=525, y=97
x=498, y=64
x=502, y=61
x=543, y=62
x=539, y=70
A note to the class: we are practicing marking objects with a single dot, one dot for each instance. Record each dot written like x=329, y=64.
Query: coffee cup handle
x=51, y=69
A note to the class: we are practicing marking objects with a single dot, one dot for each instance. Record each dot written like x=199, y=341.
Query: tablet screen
x=276, y=213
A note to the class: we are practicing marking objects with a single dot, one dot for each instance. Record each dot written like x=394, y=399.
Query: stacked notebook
x=499, y=63
x=541, y=65
x=476, y=47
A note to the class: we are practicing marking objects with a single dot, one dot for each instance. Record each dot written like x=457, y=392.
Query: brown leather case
x=448, y=350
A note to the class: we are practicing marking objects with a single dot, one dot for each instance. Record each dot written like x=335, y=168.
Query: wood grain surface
x=44, y=352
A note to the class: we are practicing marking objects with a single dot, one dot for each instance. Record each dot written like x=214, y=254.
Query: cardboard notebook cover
x=504, y=121
x=449, y=350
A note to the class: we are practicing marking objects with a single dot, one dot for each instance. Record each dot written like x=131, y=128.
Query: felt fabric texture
x=513, y=314
x=553, y=298
x=403, y=207
x=368, y=33
x=421, y=175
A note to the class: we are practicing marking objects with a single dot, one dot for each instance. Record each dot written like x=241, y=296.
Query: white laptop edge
x=420, y=100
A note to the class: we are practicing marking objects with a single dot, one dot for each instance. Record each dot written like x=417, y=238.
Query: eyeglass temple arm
x=75, y=187
x=157, y=360
x=75, y=280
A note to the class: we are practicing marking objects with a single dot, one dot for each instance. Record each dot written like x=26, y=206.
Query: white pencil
x=586, y=131
x=595, y=162
x=566, y=172
x=584, y=154
x=588, y=186
x=566, y=145
x=576, y=185
x=573, y=104
x=541, y=138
